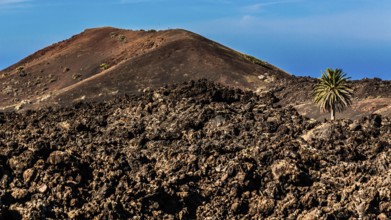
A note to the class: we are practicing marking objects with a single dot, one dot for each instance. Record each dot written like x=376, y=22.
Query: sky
x=302, y=37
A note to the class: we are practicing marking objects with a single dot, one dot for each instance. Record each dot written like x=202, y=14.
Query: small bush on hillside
x=104, y=66
x=21, y=71
x=76, y=76
x=113, y=35
x=121, y=38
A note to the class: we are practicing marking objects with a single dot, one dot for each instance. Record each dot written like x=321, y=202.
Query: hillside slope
x=102, y=62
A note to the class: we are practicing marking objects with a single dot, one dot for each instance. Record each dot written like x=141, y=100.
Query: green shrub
x=113, y=35
x=121, y=38
x=104, y=66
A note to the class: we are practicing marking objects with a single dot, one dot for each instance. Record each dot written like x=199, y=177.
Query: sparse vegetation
x=113, y=35
x=333, y=92
x=254, y=60
x=104, y=66
x=121, y=38
x=76, y=76
x=21, y=71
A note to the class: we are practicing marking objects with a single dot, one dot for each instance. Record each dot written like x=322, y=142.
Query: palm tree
x=333, y=92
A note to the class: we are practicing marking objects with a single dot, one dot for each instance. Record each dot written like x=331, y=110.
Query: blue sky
x=303, y=37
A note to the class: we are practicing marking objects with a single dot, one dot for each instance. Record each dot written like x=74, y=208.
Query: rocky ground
x=192, y=151
x=370, y=96
x=300, y=89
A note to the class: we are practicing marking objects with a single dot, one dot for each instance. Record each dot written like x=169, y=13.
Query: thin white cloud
x=259, y=6
x=8, y=5
x=350, y=27
x=11, y=2
x=252, y=8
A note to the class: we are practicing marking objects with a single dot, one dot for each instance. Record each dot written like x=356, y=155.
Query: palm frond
x=333, y=91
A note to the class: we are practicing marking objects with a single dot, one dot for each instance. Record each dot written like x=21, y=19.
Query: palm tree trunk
x=333, y=113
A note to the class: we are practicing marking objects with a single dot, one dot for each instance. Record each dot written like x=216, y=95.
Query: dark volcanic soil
x=72, y=70
x=192, y=151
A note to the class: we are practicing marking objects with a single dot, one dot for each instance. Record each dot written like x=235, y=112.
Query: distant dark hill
x=102, y=62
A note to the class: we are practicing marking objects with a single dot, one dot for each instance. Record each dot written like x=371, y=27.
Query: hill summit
x=101, y=62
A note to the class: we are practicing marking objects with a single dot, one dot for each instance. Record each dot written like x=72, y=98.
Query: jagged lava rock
x=195, y=150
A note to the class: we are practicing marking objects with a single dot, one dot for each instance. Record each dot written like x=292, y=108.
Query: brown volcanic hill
x=102, y=62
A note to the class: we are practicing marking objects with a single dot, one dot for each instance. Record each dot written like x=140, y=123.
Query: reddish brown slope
x=70, y=70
